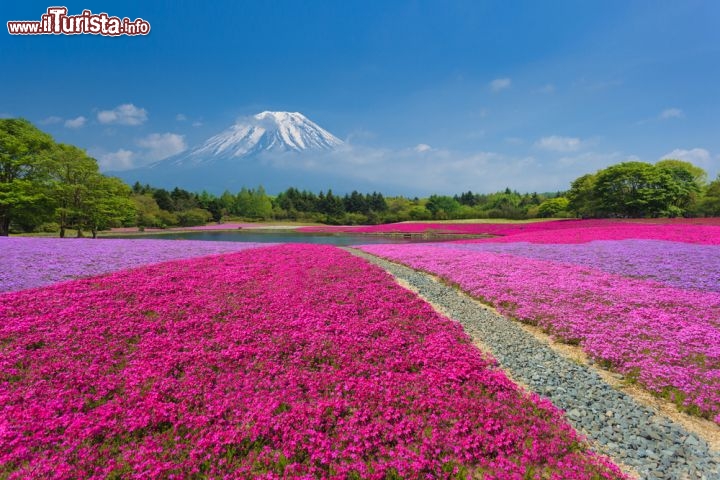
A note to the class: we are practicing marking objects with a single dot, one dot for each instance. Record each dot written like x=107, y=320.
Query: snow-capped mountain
x=264, y=132
x=273, y=149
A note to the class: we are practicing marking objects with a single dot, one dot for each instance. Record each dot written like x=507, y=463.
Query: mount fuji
x=278, y=132
x=274, y=149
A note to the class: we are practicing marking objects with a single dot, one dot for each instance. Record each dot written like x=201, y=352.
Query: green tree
x=581, y=196
x=376, y=202
x=634, y=189
x=699, y=175
x=211, y=203
x=332, y=206
x=228, y=203
x=183, y=200
x=163, y=199
x=107, y=205
x=552, y=207
x=263, y=204
x=140, y=189
x=356, y=203
x=419, y=212
x=254, y=204
x=688, y=182
x=214, y=206
x=84, y=198
x=468, y=198
x=399, y=207
x=710, y=202
x=73, y=177
x=193, y=217
x=441, y=206
x=505, y=204
x=24, y=171
x=244, y=202
x=147, y=211
x=529, y=200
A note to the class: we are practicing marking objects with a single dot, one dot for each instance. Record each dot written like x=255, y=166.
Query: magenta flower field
x=698, y=234
x=34, y=262
x=678, y=264
x=289, y=360
x=702, y=231
x=459, y=228
x=665, y=337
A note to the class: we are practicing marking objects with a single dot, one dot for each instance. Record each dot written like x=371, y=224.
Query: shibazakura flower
x=294, y=360
x=678, y=264
x=35, y=262
x=557, y=231
x=664, y=337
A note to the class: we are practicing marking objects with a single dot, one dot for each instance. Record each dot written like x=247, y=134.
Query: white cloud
x=75, y=122
x=180, y=117
x=436, y=170
x=422, y=147
x=557, y=143
x=162, y=145
x=125, y=114
x=51, y=120
x=197, y=124
x=119, y=160
x=154, y=147
x=500, y=84
x=548, y=88
x=694, y=155
x=669, y=113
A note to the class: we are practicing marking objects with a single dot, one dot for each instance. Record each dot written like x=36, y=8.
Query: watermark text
x=56, y=21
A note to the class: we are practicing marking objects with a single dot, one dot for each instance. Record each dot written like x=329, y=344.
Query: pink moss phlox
x=295, y=360
x=666, y=338
x=558, y=231
x=679, y=264
x=34, y=262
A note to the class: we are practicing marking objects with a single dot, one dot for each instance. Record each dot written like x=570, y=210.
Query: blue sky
x=447, y=94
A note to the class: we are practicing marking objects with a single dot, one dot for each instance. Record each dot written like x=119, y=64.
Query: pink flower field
x=679, y=264
x=456, y=228
x=698, y=234
x=28, y=262
x=663, y=336
x=292, y=360
x=702, y=231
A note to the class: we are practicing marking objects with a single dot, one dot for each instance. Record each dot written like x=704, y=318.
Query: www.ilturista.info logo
x=57, y=22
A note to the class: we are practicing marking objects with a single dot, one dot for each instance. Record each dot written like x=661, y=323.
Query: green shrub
x=48, y=227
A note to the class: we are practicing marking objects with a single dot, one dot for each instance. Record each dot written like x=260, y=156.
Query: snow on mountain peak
x=280, y=116
x=264, y=132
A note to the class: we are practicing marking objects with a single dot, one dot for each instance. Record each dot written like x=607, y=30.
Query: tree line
x=158, y=207
x=52, y=187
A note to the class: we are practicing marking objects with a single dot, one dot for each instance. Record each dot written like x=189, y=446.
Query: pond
x=279, y=236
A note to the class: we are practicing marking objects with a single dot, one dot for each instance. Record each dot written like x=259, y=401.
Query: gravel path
x=628, y=432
